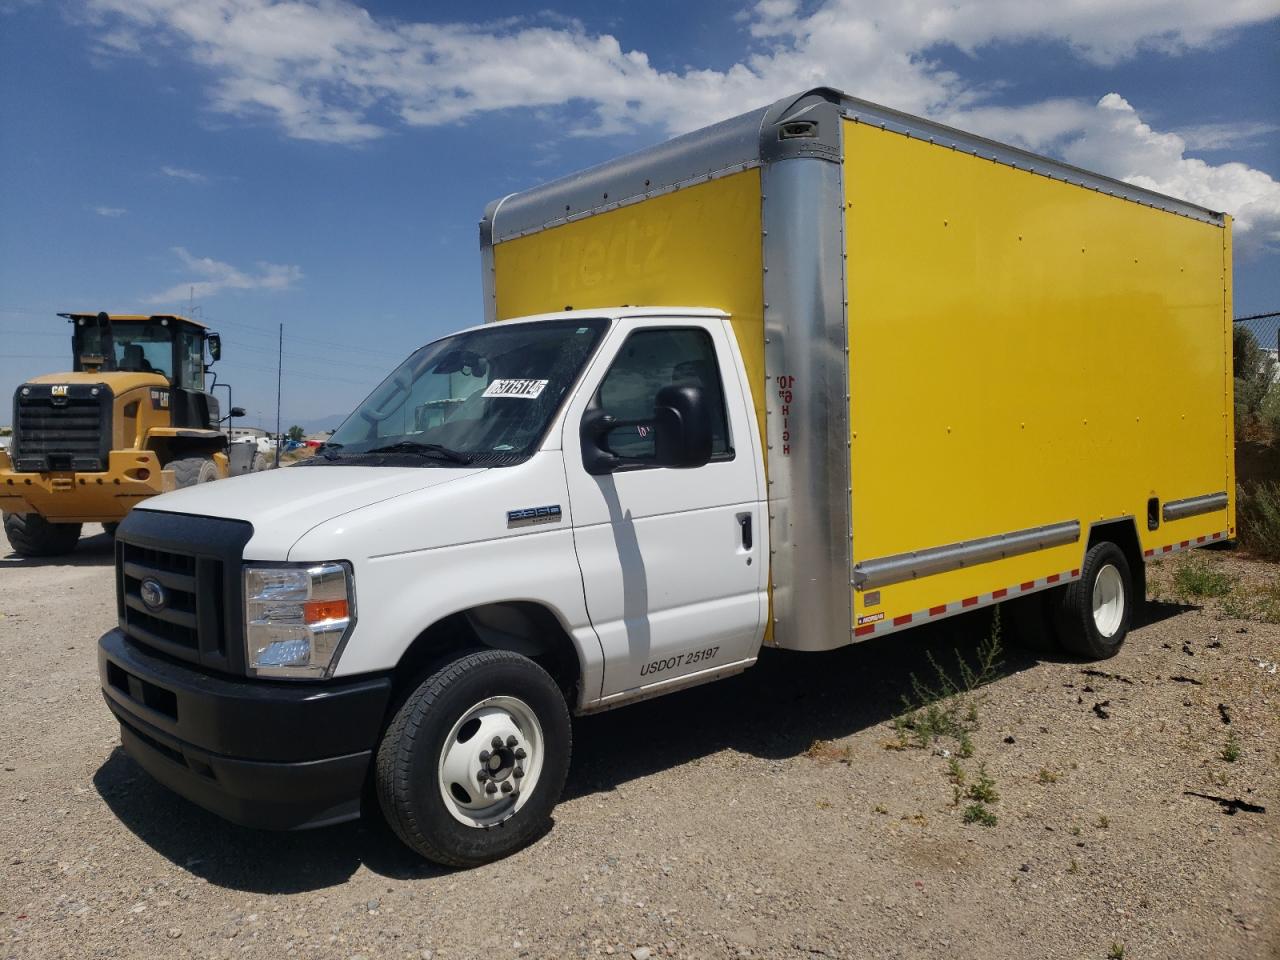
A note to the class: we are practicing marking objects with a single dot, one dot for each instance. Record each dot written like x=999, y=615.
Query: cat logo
x=58, y=390
x=159, y=399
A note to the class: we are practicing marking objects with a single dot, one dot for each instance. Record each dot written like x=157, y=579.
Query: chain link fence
x=1264, y=331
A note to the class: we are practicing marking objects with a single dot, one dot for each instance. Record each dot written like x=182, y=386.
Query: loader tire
x=192, y=470
x=1094, y=612
x=31, y=535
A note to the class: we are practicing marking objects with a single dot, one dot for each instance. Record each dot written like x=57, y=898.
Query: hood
x=284, y=504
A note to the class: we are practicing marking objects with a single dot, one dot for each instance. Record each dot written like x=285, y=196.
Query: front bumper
x=68, y=497
x=281, y=756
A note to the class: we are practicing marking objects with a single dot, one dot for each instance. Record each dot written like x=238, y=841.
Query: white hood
x=284, y=504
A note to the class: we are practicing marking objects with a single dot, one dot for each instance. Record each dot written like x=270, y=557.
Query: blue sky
x=324, y=165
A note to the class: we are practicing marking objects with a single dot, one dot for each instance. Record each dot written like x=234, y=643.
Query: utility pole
x=279, y=381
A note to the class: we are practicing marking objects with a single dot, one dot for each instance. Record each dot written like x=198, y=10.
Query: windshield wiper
x=329, y=450
x=424, y=450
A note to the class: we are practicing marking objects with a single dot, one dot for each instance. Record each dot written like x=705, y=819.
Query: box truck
x=818, y=373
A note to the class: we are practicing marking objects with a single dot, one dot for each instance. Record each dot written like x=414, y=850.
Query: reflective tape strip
x=1184, y=545
x=962, y=605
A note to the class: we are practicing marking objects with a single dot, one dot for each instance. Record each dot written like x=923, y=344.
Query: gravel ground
x=705, y=824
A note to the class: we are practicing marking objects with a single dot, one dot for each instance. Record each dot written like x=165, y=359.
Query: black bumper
x=281, y=756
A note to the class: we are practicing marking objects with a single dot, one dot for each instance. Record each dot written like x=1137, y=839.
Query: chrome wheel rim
x=1108, y=600
x=491, y=761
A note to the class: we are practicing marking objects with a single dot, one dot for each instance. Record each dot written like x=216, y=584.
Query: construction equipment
x=132, y=420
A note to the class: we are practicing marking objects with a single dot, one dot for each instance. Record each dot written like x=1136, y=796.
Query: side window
x=649, y=361
x=190, y=360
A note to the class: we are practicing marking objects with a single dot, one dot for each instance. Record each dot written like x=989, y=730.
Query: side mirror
x=215, y=346
x=681, y=428
x=237, y=412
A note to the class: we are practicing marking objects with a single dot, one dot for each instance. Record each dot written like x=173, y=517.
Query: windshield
x=484, y=397
x=139, y=347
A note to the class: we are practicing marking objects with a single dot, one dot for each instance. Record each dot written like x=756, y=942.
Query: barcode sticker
x=519, y=389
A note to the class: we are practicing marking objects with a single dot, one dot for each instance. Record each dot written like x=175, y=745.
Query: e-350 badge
x=531, y=515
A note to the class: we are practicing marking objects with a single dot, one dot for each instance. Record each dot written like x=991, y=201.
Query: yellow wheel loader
x=134, y=419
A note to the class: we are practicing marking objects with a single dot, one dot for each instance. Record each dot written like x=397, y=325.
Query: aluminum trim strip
x=806, y=357
x=953, y=556
x=726, y=147
x=1194, y=506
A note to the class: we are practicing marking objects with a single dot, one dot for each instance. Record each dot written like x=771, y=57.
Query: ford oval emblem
x=153, y=594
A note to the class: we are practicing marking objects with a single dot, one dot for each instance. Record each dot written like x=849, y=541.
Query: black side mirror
x=215, y=346
x=681, y=427
x=237, y=412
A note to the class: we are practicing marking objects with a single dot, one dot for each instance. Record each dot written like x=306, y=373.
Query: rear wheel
x=189, y=471
x=1094, y=613
x=31, y=535
x=474, y=761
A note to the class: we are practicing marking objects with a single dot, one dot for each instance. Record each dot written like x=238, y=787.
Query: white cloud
x=181, y=173
x=329, y=71
x=110, y=211
x=1226, y=136
x=211, y=276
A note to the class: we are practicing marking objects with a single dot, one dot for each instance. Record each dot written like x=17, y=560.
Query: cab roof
x=136, y=317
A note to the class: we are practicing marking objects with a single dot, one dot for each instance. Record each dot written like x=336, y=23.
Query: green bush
x=1258, y=515
x=1270, y=409
x=1196, y=577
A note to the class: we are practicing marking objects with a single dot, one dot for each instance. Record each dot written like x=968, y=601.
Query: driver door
x=672, y=561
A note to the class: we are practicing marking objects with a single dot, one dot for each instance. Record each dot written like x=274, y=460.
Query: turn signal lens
x=315, y=611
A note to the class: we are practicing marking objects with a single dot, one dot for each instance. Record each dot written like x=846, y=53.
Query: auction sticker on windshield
x=520, y=389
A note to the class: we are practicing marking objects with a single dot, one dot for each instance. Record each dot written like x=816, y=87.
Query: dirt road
x=776, y=815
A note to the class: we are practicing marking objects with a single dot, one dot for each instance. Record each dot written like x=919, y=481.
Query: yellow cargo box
x=970, y=363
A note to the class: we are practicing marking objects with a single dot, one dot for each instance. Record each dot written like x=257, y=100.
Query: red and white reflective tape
x=1184, y=545
x=869, y=627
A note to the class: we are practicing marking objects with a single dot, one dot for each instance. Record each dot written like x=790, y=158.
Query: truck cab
x=581, y=492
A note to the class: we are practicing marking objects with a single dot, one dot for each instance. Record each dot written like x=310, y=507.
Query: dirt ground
x=776, y=815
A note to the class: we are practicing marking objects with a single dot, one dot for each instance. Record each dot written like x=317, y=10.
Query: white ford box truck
x=814, y=374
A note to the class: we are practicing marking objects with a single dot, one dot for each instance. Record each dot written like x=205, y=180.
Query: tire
x=1031, y=622
x=192, y=470
x=442, y=732
x=110, y=529
x=31, y=535
x=1094, y=612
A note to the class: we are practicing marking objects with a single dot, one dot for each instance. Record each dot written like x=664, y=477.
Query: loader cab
x=168, y=346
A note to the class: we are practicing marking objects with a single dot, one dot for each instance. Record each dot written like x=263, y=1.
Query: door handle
x=744, y=521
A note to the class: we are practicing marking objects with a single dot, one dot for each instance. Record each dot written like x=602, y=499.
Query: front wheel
x=189, y=471
x=473, y=763
x=31, y=535
x=1095, y=611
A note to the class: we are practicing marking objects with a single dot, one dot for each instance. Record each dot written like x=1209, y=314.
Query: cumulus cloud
x=110, y=211
x=181, y=173
x=209, y=276
x=329, y=71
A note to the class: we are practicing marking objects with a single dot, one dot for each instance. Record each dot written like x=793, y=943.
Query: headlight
x=296, y=617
